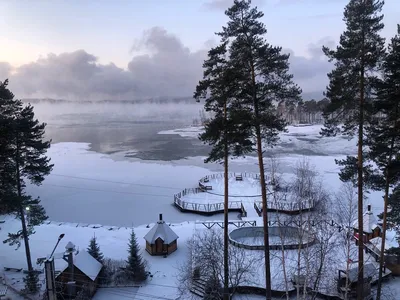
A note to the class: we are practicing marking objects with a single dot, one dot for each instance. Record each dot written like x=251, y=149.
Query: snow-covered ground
x=164, y=282
x=304, y=139
x=88, y=187
x=85, y=184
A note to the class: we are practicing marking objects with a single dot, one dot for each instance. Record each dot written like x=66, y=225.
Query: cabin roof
x=87, y=264
x=163, y=231
x=369, y=271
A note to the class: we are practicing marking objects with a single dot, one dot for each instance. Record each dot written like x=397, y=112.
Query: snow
x=307, y=138
x=192, y=131
x=273, y=240
x=114, y=193
x=391, y=241
x=87, y=264
x=163, y=231
x=83, y=181
x=369, y=222
x=117, y=293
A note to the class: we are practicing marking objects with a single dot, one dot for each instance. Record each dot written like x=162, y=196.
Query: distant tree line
x=310, y=112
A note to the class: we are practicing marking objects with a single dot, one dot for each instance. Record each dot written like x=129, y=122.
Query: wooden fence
x=205, y=179
x=282, y=206
x=206, y=207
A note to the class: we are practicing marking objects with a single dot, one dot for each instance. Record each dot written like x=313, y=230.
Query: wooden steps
x=198, y=287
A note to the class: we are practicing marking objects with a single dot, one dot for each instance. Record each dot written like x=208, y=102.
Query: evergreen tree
x=32, y=282
x=135, y=268
x=224, y=131
x=22, y=155
x=350, y=90
x=94, y=250
x=261, y=76
x=383, y=136
x=6, y=186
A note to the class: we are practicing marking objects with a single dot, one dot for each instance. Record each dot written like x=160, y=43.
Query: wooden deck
x=248, y=208
x=206, y=209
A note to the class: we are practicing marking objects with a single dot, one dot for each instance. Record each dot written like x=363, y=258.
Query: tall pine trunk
x=263, y=188
x=384, y=224
x=21, y=212
x=360, y=280
x=226, y=202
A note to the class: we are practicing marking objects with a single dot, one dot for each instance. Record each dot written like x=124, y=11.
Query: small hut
x=86, y=270
x=161, y=239
x=370, y=226
x=351, y=276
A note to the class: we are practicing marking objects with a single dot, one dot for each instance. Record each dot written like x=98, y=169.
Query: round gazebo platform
x=244, y=196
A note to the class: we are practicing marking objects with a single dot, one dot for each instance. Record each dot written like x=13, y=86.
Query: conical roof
x=163, y=231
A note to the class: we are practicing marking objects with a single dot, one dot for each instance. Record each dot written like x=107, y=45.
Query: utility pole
x=50, y=273
x=50, y=279
x=69, y=258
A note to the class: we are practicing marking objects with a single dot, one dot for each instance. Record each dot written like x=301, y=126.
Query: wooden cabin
x=370, y=226
x=392, y=260
x=161, y=239
x=347, y=281
x=85, y=274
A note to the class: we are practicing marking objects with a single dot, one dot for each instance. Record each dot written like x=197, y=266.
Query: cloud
x=224, y=4
x=168, y=68
x=5, y=70
x=74, y=75
x=171, y=68
x=311, y=72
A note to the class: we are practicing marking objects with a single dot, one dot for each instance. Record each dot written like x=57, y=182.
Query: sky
x=98, y=49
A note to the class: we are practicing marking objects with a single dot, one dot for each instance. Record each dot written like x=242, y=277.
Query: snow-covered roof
x=391, y=241
x=369, y=271
x=87, y=264
x=369, y=221
x=163, y=231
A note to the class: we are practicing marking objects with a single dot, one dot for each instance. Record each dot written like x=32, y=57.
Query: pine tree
x=261, y=77
x=225, y=131
x=350, y=90
x=94, y=250
x=135, y=268
x=383, y=136
x=32, y=282
x=22, y=154
x=6, y=186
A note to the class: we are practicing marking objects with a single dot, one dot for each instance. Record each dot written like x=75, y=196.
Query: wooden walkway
x=249, y=210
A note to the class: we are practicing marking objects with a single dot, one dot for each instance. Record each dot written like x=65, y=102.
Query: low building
x=370, y=226
x=161, y=239
x=347, y=281
x=392, y=261
x=86, y=270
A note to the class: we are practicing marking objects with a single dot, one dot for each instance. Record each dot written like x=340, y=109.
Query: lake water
x=131, y=128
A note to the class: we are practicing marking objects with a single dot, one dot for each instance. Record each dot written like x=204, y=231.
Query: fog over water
x=131, y=128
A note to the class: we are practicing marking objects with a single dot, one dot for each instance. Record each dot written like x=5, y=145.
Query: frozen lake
x=121, y=165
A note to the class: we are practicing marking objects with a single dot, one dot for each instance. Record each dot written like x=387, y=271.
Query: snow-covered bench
x=3, y=291
x=239, y=177
x=12, y=269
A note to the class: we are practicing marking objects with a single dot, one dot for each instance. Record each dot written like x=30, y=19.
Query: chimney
x=160, y=217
